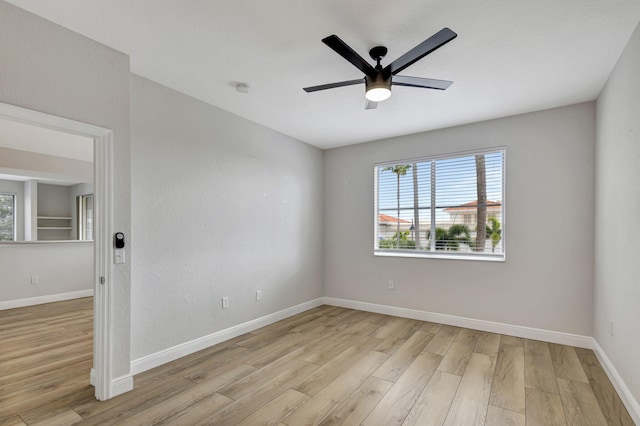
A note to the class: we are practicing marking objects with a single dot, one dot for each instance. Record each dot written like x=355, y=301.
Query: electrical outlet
x=225, y=303
x=392, y=285
x=258, y=295
x=611, y=327
x=34, y=279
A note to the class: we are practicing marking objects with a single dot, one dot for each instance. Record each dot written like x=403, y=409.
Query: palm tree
x=416, y=210
x=481, y=178
x=494, y=232
x=399, y=170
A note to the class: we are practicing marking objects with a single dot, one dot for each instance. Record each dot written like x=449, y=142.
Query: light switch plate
x=118, y=256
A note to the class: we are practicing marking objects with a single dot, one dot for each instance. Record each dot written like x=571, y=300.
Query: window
x=7, y=217
x=447, y=206
x=84, y=205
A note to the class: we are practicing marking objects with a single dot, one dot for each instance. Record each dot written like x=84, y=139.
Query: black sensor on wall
x=118, y=240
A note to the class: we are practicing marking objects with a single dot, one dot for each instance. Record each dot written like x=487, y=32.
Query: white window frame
x=432, y=253
x=15, y=219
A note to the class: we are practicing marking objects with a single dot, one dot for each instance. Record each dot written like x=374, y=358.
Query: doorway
x=101, y=374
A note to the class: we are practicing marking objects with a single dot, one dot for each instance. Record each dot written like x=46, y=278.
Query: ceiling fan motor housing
x=377, y=88
x=377, y=53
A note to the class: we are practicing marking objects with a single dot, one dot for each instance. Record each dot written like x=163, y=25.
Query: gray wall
x=60, y=267
x=547, y=279
x=223, y=207
x=50, y=69
x=617, y=230
x=53, y=200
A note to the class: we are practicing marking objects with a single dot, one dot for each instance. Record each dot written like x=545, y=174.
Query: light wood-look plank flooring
x=45, y=359
x=326, y=366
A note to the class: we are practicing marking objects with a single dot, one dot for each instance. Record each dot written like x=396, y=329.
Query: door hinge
x=101, y=280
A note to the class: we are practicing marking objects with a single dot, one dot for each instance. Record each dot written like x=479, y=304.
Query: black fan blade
x=437, y=40
x=427, y=83
x=341, y=48
x=333, y=85
x=370, y=104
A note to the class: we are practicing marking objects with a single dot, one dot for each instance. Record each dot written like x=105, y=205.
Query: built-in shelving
x=54, y=224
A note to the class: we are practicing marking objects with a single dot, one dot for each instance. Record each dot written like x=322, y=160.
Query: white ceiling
x=510, y=56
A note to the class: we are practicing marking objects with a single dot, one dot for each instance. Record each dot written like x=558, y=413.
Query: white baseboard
x=625, y=394
x=475, y=324
x=150, y=361
x=121, y=384
x=39, y=300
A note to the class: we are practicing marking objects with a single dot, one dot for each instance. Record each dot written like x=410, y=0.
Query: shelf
x=65, y=228
x=55, y=217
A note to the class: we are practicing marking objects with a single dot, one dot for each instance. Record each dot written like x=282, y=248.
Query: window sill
x=37, y=242
x=436, y=255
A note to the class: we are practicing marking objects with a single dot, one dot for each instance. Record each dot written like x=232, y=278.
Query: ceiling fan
x=378, y=80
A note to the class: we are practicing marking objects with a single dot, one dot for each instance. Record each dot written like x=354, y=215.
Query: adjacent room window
x=446, y=206
x=85, y=217
x=7, y=217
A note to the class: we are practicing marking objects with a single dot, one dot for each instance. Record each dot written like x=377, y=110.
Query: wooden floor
x=326, y=366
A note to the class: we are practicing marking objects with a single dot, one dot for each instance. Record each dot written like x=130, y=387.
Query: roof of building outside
x=386, y=218
x=473, y=204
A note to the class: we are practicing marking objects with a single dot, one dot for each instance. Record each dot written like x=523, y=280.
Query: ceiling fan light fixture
x=378, y=94
x=378, y=89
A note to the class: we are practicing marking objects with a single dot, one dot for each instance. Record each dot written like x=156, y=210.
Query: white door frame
x=103, y=197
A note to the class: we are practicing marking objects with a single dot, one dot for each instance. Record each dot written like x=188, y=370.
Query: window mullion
x=433, y=206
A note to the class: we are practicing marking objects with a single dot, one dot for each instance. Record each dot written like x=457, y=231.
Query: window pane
x=7, y=217
x=461, y=202
x=88, y=217
x=85, y=217
x=404, y=201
